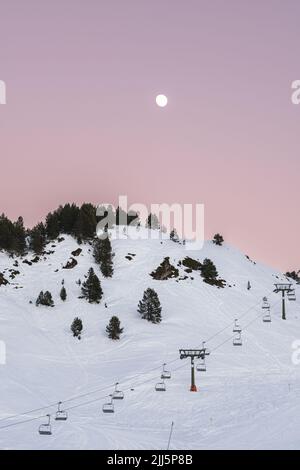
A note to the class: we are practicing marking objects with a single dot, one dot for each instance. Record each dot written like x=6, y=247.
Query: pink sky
x=81, y=122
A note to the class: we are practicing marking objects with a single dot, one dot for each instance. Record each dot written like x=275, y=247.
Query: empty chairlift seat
x=61, y=415
x=45, y=429
x=201, y=366
x=109, y=406
x=265, y=304
x=267, y=317
x=266, y=308
x=160, y=387
x=117, y=394
x=237, y=340
x=291, y=294
x=165, y=373
x=236, y=327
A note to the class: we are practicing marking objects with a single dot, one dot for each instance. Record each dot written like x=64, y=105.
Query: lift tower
x=193, y=353
x=283, y=288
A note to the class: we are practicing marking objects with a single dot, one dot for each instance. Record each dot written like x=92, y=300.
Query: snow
x=247, y=398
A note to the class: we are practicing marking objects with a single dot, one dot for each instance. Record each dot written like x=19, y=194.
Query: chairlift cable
x=129, y=388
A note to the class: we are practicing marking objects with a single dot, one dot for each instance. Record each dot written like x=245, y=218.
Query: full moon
x=161, y=101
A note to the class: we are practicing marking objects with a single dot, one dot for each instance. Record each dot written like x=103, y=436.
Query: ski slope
x=247, y=399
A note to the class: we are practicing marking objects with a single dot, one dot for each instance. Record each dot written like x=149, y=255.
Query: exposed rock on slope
x=165, y=271
x=70, y=264
x=3, y=281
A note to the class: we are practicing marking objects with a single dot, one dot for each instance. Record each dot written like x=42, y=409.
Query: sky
x=81, y=123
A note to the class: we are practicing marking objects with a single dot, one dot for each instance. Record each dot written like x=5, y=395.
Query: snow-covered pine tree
x=63, y=293
x=76, y=327
x=149, y=307
x=114, y=329
x=104, y=256
x=44, y=298
x=91, y=288
x=208, y=270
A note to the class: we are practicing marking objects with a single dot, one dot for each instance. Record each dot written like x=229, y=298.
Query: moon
x=161, y=101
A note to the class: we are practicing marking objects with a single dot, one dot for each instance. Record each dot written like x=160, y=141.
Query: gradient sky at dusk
x=81, y=122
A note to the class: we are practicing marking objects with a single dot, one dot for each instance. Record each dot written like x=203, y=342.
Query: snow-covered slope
x=247, y=398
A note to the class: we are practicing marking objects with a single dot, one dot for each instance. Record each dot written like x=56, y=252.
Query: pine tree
x=293, y=275
x=249, y=285
x=63, y=294
x=12, y=235
x=174, y=235
x=38, y=238
x=52, y=225
x=68, y=215
x=19, y=237
x=114, y=329
x=103, y=256
x=133, y=218
x=76, y=327
x=85, y=226
x=149, y=307
x=152, y=222
x=208, y=270
x=121, y=216
x=218, y=239
x=44, y=298
x=91, y=288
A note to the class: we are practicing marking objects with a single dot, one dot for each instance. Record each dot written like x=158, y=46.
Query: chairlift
x=236, y=327
x=267, y=317
x=118, y=394
x=237, y=340
x=291, y=294
x=45, y=429
x=160, y=387
x=265, y=303
x=109, y=406
x=61, y=415
x=201, y=366
x=165, y=373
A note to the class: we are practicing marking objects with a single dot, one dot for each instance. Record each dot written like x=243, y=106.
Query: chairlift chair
x=237, y=340
x=109, y=406
x=236, y=327
x=201, y=366
x=265, y=303
x=291, y=295
x=61, y=415
x=118, y=394
x=165, y=373
x=267, y=317
x=160, y=387
x=45, y=429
